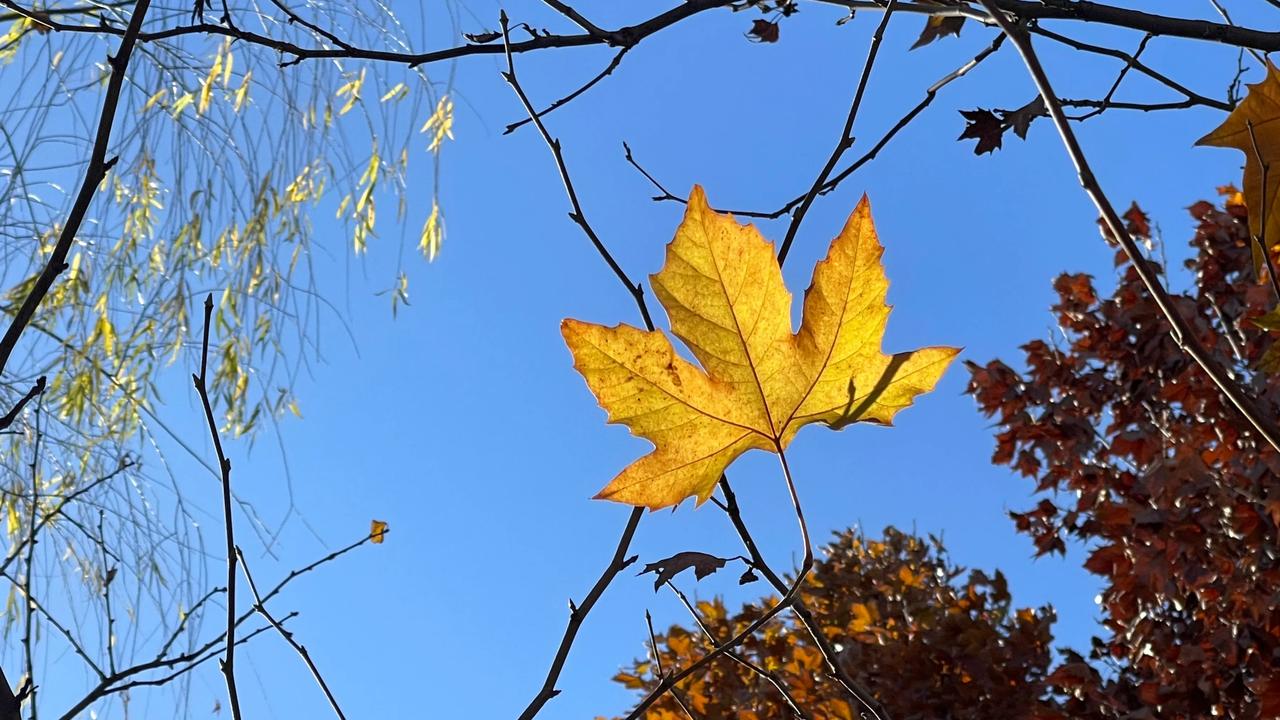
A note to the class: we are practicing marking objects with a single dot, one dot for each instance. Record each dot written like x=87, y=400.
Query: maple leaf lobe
x=1257, y=117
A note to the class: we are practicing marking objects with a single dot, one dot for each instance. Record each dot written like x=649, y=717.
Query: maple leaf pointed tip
x=698, y=197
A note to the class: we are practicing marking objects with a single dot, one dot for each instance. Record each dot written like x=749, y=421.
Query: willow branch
x=97, y=170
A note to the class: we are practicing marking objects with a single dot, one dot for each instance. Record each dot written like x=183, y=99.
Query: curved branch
x=1182, y=332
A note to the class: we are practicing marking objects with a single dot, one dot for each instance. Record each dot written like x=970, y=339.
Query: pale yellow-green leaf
x=181, y=104
x=155, y=98
x=350, y=89
x=397, y=92
x=759, y=382
x=242, y=92
x=441, y=121
x=432, y=233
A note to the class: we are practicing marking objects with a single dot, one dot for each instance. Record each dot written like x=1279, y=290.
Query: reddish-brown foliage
x=1137, y=457
x=1140, y=459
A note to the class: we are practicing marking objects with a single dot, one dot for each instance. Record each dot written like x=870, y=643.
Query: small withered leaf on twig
x=482, y=37
x=763, y=31
x=939, y=26
x=985, y=127
x=1020, y=120
x=667, y=568
x=378, y=531
x=988, y=127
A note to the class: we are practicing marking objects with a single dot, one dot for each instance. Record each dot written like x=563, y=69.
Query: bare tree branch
x=228, y=663
x=288, y=637
x=1179, y=329
x=846, y=135
x=769, y=677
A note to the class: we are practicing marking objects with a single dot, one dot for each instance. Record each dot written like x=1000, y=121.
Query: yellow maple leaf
x=378, y=531
x=760, y=382
x=1261, y=110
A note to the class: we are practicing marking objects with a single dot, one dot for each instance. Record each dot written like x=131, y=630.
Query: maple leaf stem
x=1179, y=329
x=807, y=564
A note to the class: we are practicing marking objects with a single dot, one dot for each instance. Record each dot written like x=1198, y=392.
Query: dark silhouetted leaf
x=1020, y=120
x=985, y=127
x=667, y=568
x=764, y=31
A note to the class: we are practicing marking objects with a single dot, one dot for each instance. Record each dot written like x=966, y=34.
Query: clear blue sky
x=463, y=424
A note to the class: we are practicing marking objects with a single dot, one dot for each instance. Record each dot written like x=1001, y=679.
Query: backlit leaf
x=759, y=382
x=1257, y=117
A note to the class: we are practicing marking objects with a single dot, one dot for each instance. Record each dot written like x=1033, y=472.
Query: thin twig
x=1131, y=61
x=825, y=646
x=613, y=65
x=108, y=576
x=1179, y=329
x=577, y=19
x=770, y=677
x=288, y=637
x=1227, y=18
x=930, y=94
x=228, y=662
x=846, y=134
x=577, y=612
x=657, y=659
x=1115, y=86
x=577, y=215
x=28, y=642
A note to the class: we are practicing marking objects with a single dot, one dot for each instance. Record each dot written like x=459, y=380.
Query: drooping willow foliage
x=228, y=159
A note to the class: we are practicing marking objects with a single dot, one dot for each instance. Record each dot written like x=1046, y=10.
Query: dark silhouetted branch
x=97, y=170
x=228, y=663
x=1182, y=333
